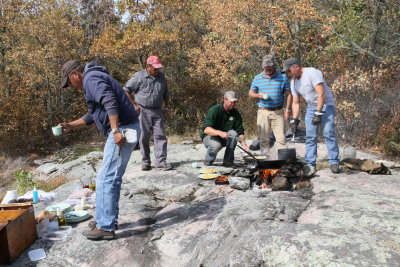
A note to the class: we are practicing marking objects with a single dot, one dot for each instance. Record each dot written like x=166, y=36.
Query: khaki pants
x=267, y=121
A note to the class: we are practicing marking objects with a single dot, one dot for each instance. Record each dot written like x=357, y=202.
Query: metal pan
x=264, y=163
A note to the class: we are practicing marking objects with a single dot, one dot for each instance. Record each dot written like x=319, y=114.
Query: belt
x=270, y=109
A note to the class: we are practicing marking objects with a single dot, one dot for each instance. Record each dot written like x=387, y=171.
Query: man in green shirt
x=221, y=127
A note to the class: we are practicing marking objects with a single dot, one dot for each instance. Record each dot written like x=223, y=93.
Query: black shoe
x=146, y=167
x=165, y=167
x=93, y=224
x=335, y=168
x=207, y=163
x=97, y=234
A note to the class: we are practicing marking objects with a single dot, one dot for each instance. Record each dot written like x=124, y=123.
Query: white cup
x=194, y=165
x=57, y=130
x=265, y=96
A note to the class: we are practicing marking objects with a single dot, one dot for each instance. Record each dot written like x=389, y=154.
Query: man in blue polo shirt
x=269, y=88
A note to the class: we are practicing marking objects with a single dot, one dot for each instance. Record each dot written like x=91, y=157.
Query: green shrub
x=25, y=181
x=392, y=144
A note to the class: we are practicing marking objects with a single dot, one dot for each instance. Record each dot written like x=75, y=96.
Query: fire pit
x=274, y=174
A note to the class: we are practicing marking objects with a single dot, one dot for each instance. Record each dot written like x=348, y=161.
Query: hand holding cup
x=57, y=130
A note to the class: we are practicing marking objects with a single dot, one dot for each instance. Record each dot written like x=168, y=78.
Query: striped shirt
x=274, y=87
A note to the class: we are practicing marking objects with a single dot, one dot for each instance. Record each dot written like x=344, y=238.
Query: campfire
x=267, y=176
x=284, y=175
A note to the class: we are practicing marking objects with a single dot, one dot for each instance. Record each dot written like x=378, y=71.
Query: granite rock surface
x=174, y=218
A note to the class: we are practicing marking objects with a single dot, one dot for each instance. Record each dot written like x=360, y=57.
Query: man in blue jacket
x=115, y=117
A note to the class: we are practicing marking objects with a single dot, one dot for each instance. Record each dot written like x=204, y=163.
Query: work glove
x=294, y=123
x=317, y=117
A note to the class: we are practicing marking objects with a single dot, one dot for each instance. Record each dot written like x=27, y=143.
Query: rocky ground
x=173, y=218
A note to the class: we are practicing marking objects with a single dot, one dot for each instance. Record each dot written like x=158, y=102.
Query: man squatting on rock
x=310, y=83
x=114, y=115
x=222, y=125
x=270, y=88
x=151, y=91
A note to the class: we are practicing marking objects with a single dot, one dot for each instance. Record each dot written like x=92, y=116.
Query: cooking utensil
x=247, y=152
x=265, y=163
x=287, y=154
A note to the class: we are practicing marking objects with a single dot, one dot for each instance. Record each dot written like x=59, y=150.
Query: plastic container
x=53, y=225
x=35, y=195
x=62, y=230
x=37, y=254
x=42, y=227
x=63, y=206
x=349, y=152
x=51, y=236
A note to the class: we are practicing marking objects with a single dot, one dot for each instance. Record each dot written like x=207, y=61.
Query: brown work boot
x=92, y=224
x=97, y=234
x=335, y=168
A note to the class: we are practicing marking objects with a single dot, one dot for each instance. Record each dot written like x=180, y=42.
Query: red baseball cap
x=154, y=61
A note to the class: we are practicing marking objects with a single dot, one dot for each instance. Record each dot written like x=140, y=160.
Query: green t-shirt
x=221, y=120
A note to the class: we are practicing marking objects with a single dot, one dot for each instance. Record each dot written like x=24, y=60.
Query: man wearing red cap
x=151, y=92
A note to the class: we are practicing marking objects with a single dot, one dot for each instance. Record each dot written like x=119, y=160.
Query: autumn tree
x=42, y=38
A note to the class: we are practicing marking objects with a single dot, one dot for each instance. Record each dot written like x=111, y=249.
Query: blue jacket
x=105, y=96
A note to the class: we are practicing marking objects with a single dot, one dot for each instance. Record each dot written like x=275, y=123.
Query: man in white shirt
x=310, y=84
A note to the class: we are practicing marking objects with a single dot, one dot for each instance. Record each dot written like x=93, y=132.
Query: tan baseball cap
x=231, y=96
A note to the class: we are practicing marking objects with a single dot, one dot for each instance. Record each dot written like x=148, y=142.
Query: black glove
x=317, y=117
x=294, y=122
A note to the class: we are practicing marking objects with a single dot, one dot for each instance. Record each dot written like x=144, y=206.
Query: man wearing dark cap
x=310, y=84
x=269, y=88
x=222, y=125
x=115, y=117
x=151, y=92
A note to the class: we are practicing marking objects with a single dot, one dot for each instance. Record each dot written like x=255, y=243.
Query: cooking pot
x=287, y=154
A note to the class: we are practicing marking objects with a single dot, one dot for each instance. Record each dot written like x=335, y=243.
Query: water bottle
x=35, y=195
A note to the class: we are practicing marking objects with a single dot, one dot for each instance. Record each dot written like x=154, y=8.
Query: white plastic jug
x=349, y=152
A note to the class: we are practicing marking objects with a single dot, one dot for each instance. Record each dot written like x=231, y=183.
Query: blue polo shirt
x=274, y=87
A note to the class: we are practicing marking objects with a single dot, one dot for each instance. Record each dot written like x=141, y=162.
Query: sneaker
x=309, y=171
x=335, y=168
x=146, y=167
x=165, y=166
x=97, y=234
x=93, y=224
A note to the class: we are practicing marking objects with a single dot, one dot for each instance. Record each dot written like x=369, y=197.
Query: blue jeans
x=328, y=131
x=215, y=143
x=109, y=179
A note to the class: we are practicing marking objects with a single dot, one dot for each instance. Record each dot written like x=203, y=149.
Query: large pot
x=287, y=154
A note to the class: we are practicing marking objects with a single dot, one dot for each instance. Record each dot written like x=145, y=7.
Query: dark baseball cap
x=289, y=62
x=268, y=60
x=66, y=70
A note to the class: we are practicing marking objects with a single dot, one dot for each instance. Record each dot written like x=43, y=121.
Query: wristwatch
x=116, y=130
